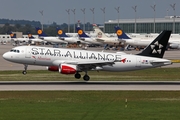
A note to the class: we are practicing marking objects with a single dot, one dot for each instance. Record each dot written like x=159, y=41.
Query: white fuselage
x=53, y=40
x=20, y=39
x=44, y=56
x=110, y=40
x=147, y=41
x=73, y=40
x=36, y=40
x=91, y=40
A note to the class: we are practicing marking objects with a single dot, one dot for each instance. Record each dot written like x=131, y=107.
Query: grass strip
x=89, y=105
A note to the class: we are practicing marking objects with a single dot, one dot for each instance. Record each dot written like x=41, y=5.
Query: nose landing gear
x=24, y=72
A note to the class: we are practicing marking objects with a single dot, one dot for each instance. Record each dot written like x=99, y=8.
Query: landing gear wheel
x=77, y=76
x=24, y=72
x=86, y=77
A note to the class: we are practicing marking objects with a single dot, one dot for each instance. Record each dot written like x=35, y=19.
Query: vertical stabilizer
x=157, y=46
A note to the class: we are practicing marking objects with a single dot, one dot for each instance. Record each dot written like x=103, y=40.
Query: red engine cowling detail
x=67, y=69
x=53, y=68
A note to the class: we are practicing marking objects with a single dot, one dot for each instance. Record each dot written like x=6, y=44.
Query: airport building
x=145, y=25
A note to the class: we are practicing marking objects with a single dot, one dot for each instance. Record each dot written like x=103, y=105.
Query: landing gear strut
x=77, y=75
x=24, y=72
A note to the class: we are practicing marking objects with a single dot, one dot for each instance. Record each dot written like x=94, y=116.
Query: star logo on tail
x=156, y=48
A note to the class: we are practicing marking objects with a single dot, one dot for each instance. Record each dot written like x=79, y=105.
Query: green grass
x=90, y=105
x=155, y=74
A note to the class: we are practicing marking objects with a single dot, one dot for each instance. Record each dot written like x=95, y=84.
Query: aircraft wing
x=85, y=65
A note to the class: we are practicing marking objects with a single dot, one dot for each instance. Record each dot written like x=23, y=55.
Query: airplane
x=50, y=39
x=71, y=61
x=62, y=36
x=173, y=43
x=102, y=37
x=82, y=36
x=18, y=40
x=34, y=40
x=131, y=41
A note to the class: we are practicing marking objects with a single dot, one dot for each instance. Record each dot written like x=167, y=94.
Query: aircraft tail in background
x=40, y=32
x=120, y=33
x=99, y=32
x=12, y=35
x=81, y=33
x=61, y=33
x=30, y=36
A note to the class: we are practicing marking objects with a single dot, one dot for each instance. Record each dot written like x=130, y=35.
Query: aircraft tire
x=24, y=72
x=86, y=77
x=77, y=76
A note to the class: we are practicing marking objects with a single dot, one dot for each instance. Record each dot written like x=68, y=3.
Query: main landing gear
x=24, y=72
x=77, y=75
x=85, y=77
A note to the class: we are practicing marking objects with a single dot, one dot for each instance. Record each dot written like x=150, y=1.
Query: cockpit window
x=14, y=50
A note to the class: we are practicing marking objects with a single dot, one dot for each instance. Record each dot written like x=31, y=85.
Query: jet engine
x=67, y=69
x=53, y=68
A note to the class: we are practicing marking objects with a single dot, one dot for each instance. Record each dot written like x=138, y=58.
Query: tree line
x=26, y=26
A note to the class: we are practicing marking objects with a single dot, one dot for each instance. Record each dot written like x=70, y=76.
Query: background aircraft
x=50, y=39
x=62, y=36
x=71, y=61
x=86, y=38
x=34, y=40
x=18, y=40
x=173, y=43
x=101, y=37
x=134, y=41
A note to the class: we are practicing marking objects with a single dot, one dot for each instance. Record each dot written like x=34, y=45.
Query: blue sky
x=55, y=10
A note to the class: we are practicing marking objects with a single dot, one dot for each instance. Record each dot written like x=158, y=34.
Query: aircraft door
x=138, y=62
x=28, y=53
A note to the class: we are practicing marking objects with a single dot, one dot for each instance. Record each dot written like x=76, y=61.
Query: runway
x=91, y=85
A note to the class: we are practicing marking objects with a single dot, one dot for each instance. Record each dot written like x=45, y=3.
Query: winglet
x=81, y=33
x=61, y=33
x=158, y=46
x=120, y=33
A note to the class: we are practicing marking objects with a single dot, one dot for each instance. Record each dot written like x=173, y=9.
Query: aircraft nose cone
x=6, y=56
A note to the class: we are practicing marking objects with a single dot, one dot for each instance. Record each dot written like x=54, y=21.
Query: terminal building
x=145, y=25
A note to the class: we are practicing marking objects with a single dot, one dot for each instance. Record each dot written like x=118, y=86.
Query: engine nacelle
x=67, y=69
x=53, y=68
x=174, y=46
